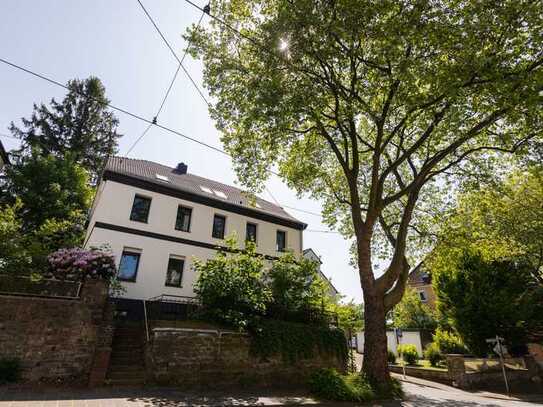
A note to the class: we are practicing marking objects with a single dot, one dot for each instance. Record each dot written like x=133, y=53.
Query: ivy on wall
x=296, y=341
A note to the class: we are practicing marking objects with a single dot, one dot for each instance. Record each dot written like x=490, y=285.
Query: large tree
x=81, y=124
x=373, y=108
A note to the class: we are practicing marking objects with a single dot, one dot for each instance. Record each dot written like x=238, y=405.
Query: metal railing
x=44, y=287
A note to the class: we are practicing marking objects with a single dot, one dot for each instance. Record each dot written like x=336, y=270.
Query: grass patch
x=427, y=365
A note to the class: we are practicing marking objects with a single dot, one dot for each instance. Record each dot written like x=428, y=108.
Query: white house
x=158, y=219
x=311, y=255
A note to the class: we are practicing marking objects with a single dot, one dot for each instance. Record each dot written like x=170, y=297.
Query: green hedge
x=295, y=341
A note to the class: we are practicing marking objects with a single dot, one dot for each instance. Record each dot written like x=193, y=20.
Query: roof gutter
x=143, y=183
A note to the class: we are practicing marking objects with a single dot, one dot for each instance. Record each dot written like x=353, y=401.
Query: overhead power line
x=179, y=66
x=207, y=10
x=119, y=109
x=133, y=115
x=180, y=61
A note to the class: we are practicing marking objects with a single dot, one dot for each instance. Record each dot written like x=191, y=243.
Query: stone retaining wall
x=190, y=357
x=56, y=339
x=517, y=378
x=441, y=376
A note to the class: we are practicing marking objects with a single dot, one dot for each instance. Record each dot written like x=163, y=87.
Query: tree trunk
x=375, y=364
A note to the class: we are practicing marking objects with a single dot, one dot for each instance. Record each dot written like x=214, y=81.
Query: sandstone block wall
x=188, y=358
x=55, y=339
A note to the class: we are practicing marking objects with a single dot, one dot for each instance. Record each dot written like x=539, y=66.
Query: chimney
x=181, y=168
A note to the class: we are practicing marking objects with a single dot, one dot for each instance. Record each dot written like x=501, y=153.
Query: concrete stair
x=126, y=364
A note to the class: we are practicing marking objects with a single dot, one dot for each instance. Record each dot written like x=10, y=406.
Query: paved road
x=423, y=393
x=420, y=393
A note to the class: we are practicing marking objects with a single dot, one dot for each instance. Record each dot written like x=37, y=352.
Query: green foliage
x=408, y=353
x=412, y=313
x=231, y=287
x=391, y=357
x=331, y=385
x=328, y=384
x=295, y=284
x=350, y=316
x=10, y=370
x=296, y=341
x=13, y=255
x=503, y=221
x=483, y=299
x=433, y=354
x=235, y=289
x=448, y=342
x=50, y=199
x=81, y=126
x=50, y=189
x=375, y=109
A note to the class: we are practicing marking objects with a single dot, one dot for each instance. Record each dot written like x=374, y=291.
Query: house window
x=281, y=240
x=422, y=296
x=128, y=267
x=174, y=274
x=219, y=223
x=182, y=221
x=250, y=232
x=140, y=209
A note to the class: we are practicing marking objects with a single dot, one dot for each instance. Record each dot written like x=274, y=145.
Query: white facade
x=311, y=255
x=408, y=337
x=157, y=239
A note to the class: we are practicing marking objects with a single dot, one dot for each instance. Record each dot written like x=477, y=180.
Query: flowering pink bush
x=77, y=263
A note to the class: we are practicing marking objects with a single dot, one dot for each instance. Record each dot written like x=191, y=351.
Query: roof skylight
x=162, y=178
x=206, y=189
x=220, y=194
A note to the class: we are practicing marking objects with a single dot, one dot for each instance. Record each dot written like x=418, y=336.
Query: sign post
x=500, y=351
x=398, y=333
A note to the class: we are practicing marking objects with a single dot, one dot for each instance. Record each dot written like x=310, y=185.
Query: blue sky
x=114, y=41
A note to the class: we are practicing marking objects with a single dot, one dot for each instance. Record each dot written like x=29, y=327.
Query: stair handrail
x=146, y=320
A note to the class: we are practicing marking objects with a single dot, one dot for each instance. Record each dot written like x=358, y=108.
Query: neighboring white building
x=311, y=255
x=409, y=336
x=157, y=219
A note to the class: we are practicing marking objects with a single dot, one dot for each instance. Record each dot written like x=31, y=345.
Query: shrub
x=10, y=370
x=295, y=341
x=78, y=264
x=433, y=355
x=391, y=357
x=448, y=342
x=330, y=385
x=408, y=353
x=231, y=287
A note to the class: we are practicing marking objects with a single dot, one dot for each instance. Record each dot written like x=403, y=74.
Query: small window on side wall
x=174, y=274
x=250, y=232
x=219, y=224
x=281, y=241
x=182, y=222
x=128, y=267
x=140, y=209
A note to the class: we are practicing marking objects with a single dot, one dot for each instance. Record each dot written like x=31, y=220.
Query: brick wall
x=56, y=339
x=186, y=357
